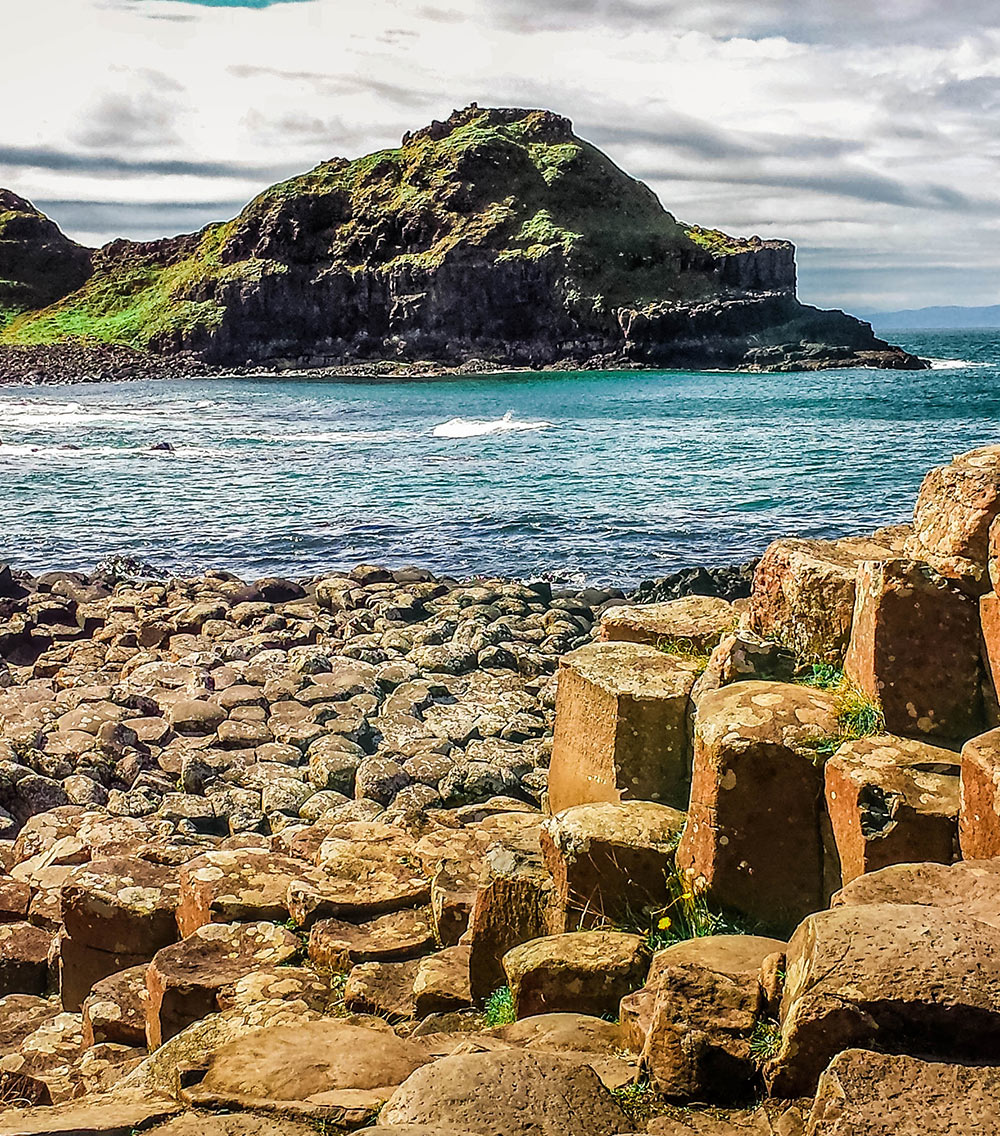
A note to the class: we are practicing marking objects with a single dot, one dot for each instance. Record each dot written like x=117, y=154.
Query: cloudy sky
x=864, y=130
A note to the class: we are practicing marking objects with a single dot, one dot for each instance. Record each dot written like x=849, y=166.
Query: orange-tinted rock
x=803, y=593
x=911, y=978
x=956, y=505
x=453, y=896
x=384, y=989
x=621, y=727
x=862, y=1093
x=514, y=904
x=241, y=885
x=753, y=837
x=124, y=906
x=989, y=619
x=979, y=816
x=114, y=1011
x=915, y=648
x=24, y=953
x=586, y=972
x=892, y=800
x=969, y=888
x=339, y=945
x=610, y=861
x=183, y=980
x=81, y=967
x=696, y=622
x=442, y=983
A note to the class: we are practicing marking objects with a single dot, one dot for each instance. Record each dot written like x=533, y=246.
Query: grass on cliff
x=487, y=185
x=858, y=714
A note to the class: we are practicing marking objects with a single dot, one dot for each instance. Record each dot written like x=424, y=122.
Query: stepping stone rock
x=979, y=816
x=81, y=967
x=803, y=594
x=324, y=1063
x=892, y=800
x=338, y=945
x=124, y=906
x=706, y=999
x=441, y=983
x=915, y=649
x=46, y=1061
x=516, y=1093
x=384, y=989
x=970, y=888
x=610, y=861
x=910, y=977
x=183, y=980
x=242, y=885
x=696, y=622
x=115, y=1009
x=364, y=870
x=24, y=958
x=115, y=1115
x=955, y=507
x=586, y=972
x=753, y=834
x=195, y=717
x=621, y=727
x=863, y=1093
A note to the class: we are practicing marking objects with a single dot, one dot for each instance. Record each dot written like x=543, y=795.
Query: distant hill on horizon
x=952, y=316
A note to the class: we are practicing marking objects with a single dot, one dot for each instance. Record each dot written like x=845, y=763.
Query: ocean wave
x=955, y=364
x=478, y=428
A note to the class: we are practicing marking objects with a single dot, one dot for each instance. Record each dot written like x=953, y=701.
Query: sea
x=605, y=478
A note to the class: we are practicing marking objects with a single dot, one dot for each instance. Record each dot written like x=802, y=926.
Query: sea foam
x=478, y=428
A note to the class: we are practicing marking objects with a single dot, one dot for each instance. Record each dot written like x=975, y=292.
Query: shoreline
x=68, y=364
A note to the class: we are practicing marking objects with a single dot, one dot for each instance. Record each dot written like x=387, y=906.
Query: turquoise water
x=597, y=477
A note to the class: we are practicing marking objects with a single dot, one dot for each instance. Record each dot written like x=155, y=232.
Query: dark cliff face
x=38, y=264
x=497, y=234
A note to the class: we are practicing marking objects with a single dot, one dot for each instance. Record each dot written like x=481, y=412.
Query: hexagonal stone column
x=892, y=800
x=621, y=727
x=979, y=814
x=697, y=621
x=915, y=648
x=754, y=826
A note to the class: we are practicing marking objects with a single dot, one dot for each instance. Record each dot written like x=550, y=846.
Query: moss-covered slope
x=38, y=264
x=496, y=234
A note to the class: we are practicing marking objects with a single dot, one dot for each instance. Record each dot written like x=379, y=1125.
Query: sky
x=866, y=131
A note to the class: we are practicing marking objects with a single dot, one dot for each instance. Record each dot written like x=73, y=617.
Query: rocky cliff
x=38, y=264
x=496, y=235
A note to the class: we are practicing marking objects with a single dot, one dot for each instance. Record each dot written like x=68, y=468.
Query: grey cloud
x=136, y=221
x=107, y=164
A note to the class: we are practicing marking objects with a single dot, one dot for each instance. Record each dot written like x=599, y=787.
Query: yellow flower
x=664, y=923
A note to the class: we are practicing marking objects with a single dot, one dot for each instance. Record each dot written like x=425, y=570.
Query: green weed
x=685, y=649
x=858, y=714
x=640, y=1101
x=765, y=1041
x=499, y=1008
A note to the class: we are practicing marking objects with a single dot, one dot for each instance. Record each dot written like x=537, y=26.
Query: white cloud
x=863, y=132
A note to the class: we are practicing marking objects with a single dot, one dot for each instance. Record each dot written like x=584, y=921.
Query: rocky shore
x=413, y=856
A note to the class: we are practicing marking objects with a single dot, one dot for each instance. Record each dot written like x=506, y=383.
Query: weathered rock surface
x=696, y=622
x=911, y=979
x=621, y=726
x=753, y=835
x=915, y=648
x=979, y=817
x=518, y=1094
x=863, y=1093
x=892, y=800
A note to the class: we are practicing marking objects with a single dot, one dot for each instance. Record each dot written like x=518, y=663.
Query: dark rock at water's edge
x=496, y=236
x=732, y=582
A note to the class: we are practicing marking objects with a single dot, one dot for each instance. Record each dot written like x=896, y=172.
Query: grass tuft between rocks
x=499, y=1010
x=858, y=714
x=639, y=1101
x=685, y=649
x=765, y=1041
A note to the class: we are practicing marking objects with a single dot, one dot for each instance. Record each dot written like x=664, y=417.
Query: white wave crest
x=954, y=364
x=478, y=428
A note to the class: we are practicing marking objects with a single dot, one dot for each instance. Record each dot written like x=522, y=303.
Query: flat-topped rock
x=240, y=885
x=610, y=859
x=585, y=972
x=892, y=800
x=339, y=945
x=513, y=1092
x=122, y=905
x=979, y=815
x=326, y=1063
x=970, y=888
x=24, y=953
x=803, y=593
x=753, y=837
x=621, y=726
x=184, y=979
x=696, y=623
